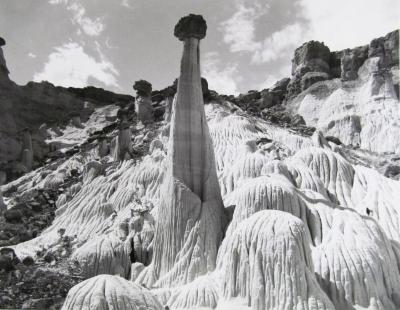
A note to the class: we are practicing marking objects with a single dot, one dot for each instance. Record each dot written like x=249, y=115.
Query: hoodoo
x=122, y=149
x=143, y=103
x=190, y=228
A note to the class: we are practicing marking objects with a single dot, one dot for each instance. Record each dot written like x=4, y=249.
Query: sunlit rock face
x=359, y=102
x=186, y=240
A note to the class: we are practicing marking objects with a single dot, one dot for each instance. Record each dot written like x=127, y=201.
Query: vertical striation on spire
x=190, y=221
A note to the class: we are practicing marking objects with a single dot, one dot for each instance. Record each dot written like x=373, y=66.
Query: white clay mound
x=268, y=263
x=355, y=258
x=106, y=292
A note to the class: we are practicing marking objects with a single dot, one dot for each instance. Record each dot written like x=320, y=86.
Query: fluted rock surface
x=110, y=292
x=269, y=264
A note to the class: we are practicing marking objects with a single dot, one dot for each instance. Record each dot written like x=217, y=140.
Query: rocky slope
x=28, y=108
x=232, y=204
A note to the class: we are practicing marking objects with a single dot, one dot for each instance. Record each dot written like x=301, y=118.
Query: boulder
x=13, y=216
x=312, y=56
x=392, y=171
x=298, y=120
x=142, y=88
x=191, y=26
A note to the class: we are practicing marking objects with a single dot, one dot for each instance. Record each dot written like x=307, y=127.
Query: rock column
x=3, y=178
x=27, y=150
x=190, y=220
x=143, y=104
x=102, y=147
x=76, y=120
x=122, y=149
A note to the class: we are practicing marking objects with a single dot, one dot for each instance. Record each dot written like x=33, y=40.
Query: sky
x=113, y=43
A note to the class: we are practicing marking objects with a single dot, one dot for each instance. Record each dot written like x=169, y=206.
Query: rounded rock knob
x=191, y=26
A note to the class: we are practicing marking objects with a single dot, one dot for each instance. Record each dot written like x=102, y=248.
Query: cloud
x=126, y=4
x=70, y=65
x=223, y=80
x=90, y=26
x=239, y=33
x=31, y=55
x=281, y=43
x=239, y=30
x=344, y=24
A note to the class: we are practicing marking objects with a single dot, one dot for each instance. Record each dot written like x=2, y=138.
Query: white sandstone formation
x=364, y=112
x=110, y=292
x=268, y=263
x=187, y=238
x=168, y=108
x=311, y=225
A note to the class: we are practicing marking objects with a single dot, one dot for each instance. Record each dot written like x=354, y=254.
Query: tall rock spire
x=190, y=219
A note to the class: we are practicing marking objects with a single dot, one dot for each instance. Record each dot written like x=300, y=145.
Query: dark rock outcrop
x=191, y=26
x=3, y=67
x=142, y=88
x=309, y=65
x=313, y=62
x=274, y=95
x=30, y=106
x=350, y=61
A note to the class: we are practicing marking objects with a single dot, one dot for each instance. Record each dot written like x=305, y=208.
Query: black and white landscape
x=186, y=197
